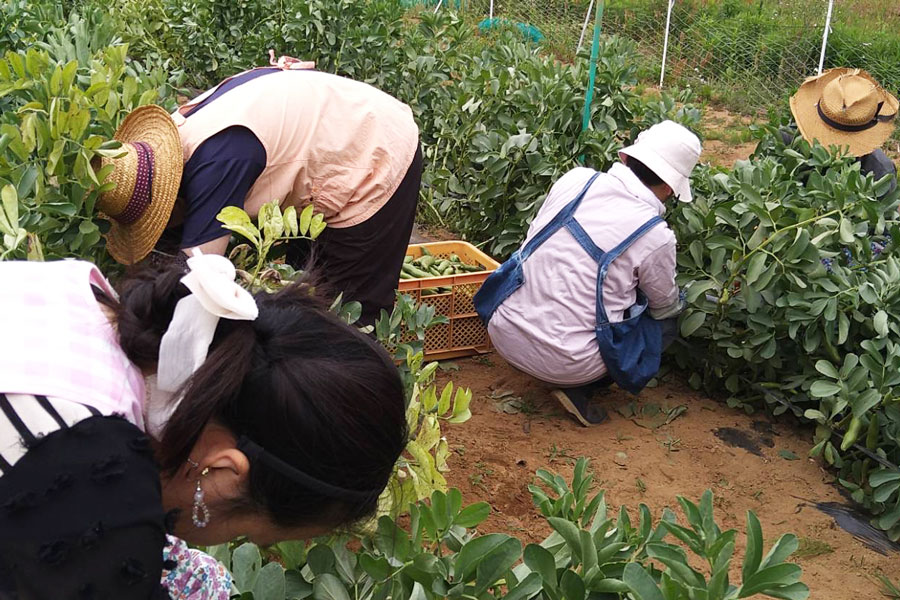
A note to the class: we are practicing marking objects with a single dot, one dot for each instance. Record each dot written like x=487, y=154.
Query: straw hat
x=671, y=151
x=147, y=177
x=844, y=107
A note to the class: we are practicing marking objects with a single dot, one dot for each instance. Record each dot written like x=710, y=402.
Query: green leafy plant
x=793, y=283
x=57, y=118
x=436, y=555
x=273, y=228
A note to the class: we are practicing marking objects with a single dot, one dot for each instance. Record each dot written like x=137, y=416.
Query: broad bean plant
x=591, y=553
x=792, y=272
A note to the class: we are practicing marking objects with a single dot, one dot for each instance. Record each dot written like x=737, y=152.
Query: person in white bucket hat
x=596, y=231
x=670, y=151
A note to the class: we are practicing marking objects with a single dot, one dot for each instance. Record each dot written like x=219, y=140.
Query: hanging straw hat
x=147, y=177
x=845, y=107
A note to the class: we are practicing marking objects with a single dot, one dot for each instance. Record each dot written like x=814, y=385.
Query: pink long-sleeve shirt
x=547, y=327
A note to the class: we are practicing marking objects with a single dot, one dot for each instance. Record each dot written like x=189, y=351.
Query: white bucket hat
x=671, y=151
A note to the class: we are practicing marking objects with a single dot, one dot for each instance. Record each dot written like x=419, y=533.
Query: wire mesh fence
x=749, y=54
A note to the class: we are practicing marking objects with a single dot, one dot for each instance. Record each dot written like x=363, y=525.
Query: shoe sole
x=567, y=404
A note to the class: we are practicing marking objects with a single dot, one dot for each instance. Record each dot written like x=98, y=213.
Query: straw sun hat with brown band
x=147, y=177
x=845, y=107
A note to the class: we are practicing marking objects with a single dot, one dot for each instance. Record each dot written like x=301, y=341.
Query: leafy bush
x=56, y=118
x=593, y=555
x=793, y=278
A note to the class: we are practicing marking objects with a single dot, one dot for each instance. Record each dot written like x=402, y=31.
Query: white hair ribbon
x=184, y=346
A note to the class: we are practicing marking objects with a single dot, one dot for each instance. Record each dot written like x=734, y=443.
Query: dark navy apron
x=631, y=348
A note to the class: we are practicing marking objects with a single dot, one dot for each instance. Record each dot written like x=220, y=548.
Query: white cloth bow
x=185, y=345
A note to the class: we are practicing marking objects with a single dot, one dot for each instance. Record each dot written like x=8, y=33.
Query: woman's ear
x=229, y=469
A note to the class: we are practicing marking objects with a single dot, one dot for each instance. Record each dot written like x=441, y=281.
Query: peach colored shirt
x=341, y=144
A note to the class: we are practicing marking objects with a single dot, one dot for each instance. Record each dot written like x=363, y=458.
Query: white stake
x=436, y=8
x=491, y=11
x=825, y=35
x=662, y=69
x=587, y=17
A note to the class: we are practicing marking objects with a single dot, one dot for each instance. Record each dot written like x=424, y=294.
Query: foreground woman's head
x=291, y=425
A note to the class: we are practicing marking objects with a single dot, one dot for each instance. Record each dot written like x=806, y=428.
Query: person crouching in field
x=846, y=108
x=590, y=298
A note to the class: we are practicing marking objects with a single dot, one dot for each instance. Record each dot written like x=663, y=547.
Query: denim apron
x=631, y=348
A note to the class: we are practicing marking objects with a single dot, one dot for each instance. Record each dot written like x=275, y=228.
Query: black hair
x=642, y=172
x=306, y=387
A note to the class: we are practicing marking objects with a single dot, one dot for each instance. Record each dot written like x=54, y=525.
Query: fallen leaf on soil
x=510, y=406
x=651, y=415
x=788, y=455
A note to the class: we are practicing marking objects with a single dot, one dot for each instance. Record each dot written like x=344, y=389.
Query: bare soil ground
x=517, y=427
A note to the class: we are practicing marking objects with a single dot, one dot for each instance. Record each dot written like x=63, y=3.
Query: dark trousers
x=363, y=261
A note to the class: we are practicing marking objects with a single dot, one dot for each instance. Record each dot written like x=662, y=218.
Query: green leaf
x=295, y=587
x=496, y=563
x=569, y=533
x=795, y=591
x=270, y=583
x=787, y=455
x=846, y=231
x=884, y=476
x=306, y=218
x=473, y=515
x=640, y=583
x=676, y=561
x=880, y=322
x=770, y=578
x=753, y=554
x=572, y=586
x=697, y=289
x=692, y=322
x=527, y=588
x=391, y=540
x=474, y=551
x=541, y=561
x=316, y=225
x=9, y=216
x=756, y=267
x=783, y=547
x=824, y=389
x=889, y=519
x=245, y=565
x=826, y=368
x=291, y=226
x=376, y=567
x=329, y=587
x=320, y=559
x=293, y=553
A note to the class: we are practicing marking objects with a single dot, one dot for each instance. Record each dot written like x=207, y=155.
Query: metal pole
x=825, y=35
x=587, y=18
x=662, y=69
x=491, y=11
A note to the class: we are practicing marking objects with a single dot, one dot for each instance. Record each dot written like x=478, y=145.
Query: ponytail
x=316, y=394
x=144, y=310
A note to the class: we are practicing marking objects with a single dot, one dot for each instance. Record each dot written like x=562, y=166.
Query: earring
x=199, y=505
x=194, y=465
